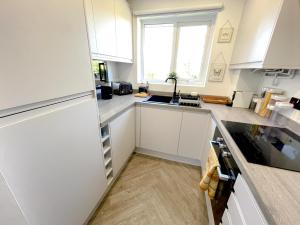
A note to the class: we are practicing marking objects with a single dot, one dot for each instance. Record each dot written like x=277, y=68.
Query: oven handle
x=223, y=177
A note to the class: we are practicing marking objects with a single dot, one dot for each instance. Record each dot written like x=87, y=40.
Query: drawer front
x=234, y=211
x=247, y=203
x=226, y=220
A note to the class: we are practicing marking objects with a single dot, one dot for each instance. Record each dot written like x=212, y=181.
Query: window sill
x=196, y=85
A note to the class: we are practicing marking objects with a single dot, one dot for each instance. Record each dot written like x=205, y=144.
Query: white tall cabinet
x=52, y=162
x=44, y=51
x=110, y=29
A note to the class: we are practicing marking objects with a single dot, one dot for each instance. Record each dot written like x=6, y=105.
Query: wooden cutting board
x=215, y=99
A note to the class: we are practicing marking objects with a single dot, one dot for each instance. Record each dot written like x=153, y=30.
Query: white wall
x=291, y=86
x=232, y=12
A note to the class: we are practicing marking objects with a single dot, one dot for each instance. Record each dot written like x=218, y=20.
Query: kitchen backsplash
x=291, y=86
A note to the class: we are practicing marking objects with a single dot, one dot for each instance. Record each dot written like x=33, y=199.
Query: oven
x=227, y=173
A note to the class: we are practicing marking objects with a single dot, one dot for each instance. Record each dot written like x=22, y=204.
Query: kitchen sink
x=160, y=99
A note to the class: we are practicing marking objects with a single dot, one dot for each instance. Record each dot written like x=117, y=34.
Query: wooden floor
x=152, y=191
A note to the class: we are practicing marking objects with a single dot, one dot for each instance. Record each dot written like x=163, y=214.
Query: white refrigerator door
x=44, y=51
x=51, y=160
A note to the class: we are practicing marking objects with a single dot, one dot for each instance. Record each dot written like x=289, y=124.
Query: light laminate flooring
x=153, y=191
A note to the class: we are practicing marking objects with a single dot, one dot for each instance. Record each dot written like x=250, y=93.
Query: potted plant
x=173, y=75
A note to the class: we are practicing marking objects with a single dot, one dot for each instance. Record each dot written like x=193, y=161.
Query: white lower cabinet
x=226, y=220
x=122, y=131
x=193, y=134
x=249, y=207
x=160, y=128
x=234, y=211
x=209, y=136
x=242, y=207
x=173, y=131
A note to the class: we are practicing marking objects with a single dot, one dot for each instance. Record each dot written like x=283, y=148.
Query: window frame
x=179, y=20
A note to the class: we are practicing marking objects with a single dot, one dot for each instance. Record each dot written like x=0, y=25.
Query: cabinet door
x=247, y=202
x=226, y=220
x=234, y=211
x=10, y=212
x=89, y=14
x=122, y=138
x=123, y=29
x=105, y=26
x=160, y=129
x=51, y=159
x=44, y=51
x=193, y=134
x=255, y=32
x=210, y=134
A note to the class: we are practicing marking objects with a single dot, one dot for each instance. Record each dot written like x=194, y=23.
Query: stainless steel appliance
x=122, y=88
x=265, y=145
x=228, y=172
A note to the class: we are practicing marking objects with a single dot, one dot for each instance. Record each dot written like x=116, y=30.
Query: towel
x=210, y=178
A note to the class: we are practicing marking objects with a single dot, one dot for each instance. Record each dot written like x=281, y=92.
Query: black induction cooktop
x=264, y=145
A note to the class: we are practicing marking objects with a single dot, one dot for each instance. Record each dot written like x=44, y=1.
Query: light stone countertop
x=277, y=191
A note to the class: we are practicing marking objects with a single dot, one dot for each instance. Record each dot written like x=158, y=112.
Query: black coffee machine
x=106, y=92
x=103, y=87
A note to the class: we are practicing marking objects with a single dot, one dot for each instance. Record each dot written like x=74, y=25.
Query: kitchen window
x=176, y=43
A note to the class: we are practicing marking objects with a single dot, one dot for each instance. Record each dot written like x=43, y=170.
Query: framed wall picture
x=225, y=33
x=217, y=68
x=217, y=72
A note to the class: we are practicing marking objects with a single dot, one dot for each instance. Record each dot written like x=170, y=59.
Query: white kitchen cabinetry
x=193, y=134
x=122, y=131
x=10, y=212
x=242, y=206
x=51, y=160
x=160, y=128
x=268, y=35
x=105, y=27
x=236, y=215
x=209, y=136
x=248, y=205
x=138, y=126
x=90, y=25
x=123, y=29
x=110, y=29
x=44, y=51
x=226, y=219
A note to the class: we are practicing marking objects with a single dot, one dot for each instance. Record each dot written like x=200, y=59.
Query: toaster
x=122, y=88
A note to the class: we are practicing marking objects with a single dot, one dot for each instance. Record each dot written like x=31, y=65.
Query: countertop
x=277, y=191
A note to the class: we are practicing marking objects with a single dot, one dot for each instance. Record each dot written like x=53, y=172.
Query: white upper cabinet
x=44, y=51
x=110, y=29
x=90, y=25
x=104, y=23
x=123, y=29
x=268, y=35
x=193, y=134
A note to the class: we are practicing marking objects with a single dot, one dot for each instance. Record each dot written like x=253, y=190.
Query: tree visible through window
x=177, y=46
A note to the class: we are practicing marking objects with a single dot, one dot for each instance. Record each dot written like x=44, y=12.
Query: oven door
x=227, y=173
